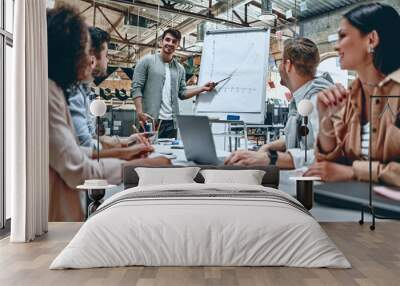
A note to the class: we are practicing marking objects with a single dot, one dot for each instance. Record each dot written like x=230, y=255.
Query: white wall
x=332, y=66
x=9, y=12
x=279, y=91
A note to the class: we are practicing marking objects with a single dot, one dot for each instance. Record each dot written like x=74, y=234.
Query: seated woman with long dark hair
x=368, y=45
x=68, y=63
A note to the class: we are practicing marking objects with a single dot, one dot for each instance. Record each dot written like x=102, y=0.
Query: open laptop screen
x=197, y=139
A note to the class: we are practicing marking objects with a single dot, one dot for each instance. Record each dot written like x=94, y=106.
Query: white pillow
x=166, y=176
x=248, y=177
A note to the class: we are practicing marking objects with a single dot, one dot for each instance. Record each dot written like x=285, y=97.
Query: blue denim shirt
x=83, y=120
x=295, y=143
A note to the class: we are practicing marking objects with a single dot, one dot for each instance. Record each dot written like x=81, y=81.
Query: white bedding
x=188, y=231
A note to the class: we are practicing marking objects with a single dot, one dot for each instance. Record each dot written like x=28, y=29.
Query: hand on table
x=330, y=171
x=264, y=148
x=137, y=138
x=156, y=161
x=159, y=161
x=247, y=158
x=135, y=151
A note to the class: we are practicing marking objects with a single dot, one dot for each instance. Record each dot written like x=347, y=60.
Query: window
x=6, y=44
x=7, y=92
x=2, y=46
x=9, y=16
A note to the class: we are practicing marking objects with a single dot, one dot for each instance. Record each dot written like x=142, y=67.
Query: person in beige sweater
x=344, y=143
x=70, y=164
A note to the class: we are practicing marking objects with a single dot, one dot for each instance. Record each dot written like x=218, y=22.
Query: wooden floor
x=375, y=257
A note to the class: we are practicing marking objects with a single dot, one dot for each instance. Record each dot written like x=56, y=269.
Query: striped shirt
x=365, y=140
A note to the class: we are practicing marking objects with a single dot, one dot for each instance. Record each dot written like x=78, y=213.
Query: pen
x=216, y=83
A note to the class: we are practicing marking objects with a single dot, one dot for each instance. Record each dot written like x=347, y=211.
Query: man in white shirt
x=158, y=81
x=297, y=70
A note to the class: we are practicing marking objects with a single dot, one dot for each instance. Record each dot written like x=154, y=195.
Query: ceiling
x=313, y=7
x=135, y=25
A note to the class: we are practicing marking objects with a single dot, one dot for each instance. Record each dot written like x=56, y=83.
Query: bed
x=197, y=224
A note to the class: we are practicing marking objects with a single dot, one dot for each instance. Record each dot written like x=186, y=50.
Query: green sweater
x=148, y=82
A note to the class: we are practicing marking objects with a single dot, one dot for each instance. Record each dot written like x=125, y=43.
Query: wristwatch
x=273, y=157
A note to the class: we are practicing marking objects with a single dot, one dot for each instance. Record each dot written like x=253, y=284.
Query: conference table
x=353, y=195
x=333, y=201
x=177, y=154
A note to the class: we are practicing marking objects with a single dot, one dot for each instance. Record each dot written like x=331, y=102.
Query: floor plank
x=374, y=255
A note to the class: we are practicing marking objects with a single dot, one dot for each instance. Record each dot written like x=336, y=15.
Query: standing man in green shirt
x=158, y=81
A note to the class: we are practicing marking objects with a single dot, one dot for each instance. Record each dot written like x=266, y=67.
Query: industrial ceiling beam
x=209, y=13
x=238, y=16
x=116, y=23
x=83, y=11
x=180, y=12
x=131, y=43
x=221, y=8
x=246, y=12
x=121, y=10
x=134, y=43
x=276, y=12
x=111, y=24
x=192, y=18
x=126, y=45
x=112, y=8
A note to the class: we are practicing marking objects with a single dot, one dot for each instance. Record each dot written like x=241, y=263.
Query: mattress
x=201, y=225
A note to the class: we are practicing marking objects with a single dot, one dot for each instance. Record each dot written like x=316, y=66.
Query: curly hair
x=67, y=38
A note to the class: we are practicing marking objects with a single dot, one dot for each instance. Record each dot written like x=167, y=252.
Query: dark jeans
x=167, y=129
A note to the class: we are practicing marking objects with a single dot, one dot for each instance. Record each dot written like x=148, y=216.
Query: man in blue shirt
x=81, y=96
x=82, y=119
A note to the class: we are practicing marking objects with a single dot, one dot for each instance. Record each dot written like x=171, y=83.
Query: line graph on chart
x=232, y=76
x=238, y=62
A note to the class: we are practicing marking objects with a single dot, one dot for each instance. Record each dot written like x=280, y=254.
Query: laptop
x=197, y=140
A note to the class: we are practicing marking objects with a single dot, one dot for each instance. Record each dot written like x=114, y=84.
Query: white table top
x=179, y=154
x=300, y=178
x=86, y=187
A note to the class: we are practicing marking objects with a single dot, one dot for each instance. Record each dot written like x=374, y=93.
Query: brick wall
x=319, y=28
